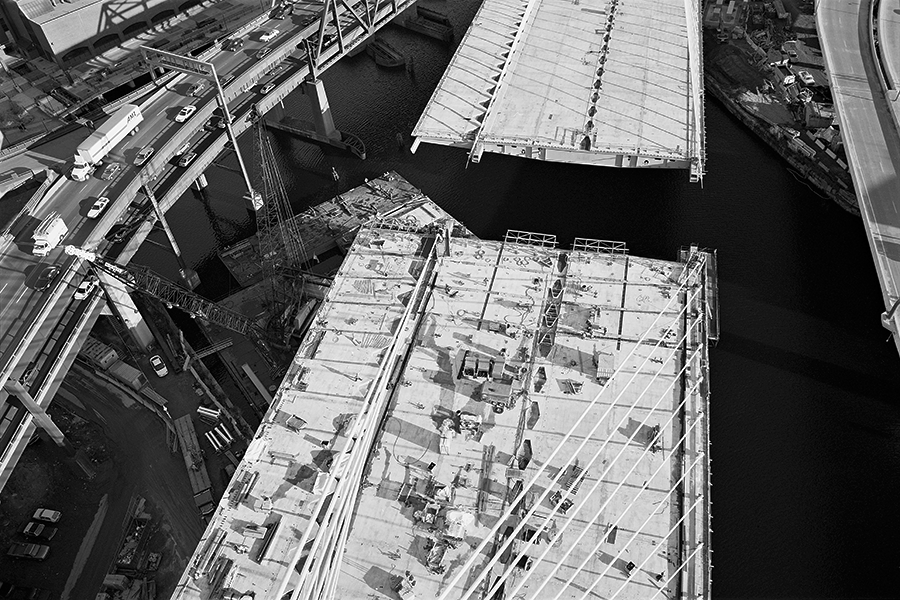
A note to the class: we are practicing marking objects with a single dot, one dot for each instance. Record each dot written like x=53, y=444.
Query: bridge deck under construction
x=598, y=82
x=552, y=401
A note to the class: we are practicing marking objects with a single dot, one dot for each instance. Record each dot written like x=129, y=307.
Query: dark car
x=111, y=170
x=39, y=531
x=46, y=278
x=32, y=551
x=233, y=45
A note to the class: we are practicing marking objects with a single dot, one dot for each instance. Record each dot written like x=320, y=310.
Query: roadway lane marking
x=4, y=287
x=19, y=297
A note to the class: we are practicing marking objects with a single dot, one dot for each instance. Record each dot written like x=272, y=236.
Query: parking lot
x=126, y=445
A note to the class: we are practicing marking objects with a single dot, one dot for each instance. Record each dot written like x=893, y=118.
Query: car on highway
x=282, y=11
x=268, y=35
x=39, y=531
x=85, y=288
x=47, y=515
x=187, y=159
x=806, y=78
x=197, y=88
x=267, y=88
x=276, y=69
x=143, y=156
x=215, y=122
x=233, y=44
x=226, y=80
x=159, y=367
x=111, y=170
x=263, y=53
x=185, y=113
x=44, y=280
x=98, y=207
x=183, y=148
x=32, y=551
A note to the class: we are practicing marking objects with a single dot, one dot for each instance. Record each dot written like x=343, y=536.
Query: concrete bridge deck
x=591, y=82
x=865, y=92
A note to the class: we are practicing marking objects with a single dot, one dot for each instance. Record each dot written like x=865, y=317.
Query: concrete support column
x=200, y=182
x=124, y=308
x=41, y=417
x=315, y=91
x=277, y=111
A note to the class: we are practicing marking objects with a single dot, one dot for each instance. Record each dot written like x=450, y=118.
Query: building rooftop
x=459, y=399
x=592, y=82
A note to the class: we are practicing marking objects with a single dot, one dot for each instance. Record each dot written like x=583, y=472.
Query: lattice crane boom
x=144, y=280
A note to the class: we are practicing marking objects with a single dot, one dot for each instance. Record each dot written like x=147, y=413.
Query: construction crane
x=281, y=247
x=144, y=280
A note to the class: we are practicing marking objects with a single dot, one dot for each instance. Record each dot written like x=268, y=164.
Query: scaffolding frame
x=530, y=238
x=599, y=246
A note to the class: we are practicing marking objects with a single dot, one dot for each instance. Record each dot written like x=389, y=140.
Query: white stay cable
x=598, y=512
x=597, y=483
x=512, y=507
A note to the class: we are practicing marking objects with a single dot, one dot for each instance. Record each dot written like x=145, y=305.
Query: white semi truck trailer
x=89, y=153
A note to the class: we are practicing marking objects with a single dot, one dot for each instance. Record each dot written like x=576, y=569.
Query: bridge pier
x=200, y=182
x=321, y=110
x=41, y=418
x=124, y=308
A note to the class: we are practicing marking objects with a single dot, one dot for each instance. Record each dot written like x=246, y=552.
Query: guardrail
x=52, y=178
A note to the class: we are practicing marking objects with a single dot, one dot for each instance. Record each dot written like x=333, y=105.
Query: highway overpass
x=44, y=329
x=861, y=43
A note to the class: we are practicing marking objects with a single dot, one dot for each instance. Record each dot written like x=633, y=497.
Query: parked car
x=197, y=88
x=143, y=156
x=186, y=159
x=267, y=88
x=39, y=531
x=86, y=288
x=158, y=365
x=268, y=35
x=98, y=207
x=263, y=53
x=32, y=551
x=111, y=170
x=47, y=515
x=185, y=113
x=43, y=282
x=806, y=78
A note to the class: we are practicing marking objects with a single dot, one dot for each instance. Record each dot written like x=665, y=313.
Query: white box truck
x=89, y=153
x=49, y=234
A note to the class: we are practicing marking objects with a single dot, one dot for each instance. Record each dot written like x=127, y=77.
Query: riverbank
x=769, y=73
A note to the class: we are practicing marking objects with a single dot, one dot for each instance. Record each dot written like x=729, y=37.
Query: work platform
x=597, y=82
x=465, y=410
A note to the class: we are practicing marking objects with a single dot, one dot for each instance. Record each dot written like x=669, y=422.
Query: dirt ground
x=126, y=445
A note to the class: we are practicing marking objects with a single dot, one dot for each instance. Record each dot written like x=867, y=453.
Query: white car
x=158, y=365
x=267, y=88
x=143, y=156
x=183, y=148
x=86, y=288
x=98, y=207
x=185, y=113
x=268, y=36
x=187, y=159
x=47, y=515
x=806, y=78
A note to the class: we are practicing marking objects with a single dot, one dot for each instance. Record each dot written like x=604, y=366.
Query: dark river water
x=805, y=410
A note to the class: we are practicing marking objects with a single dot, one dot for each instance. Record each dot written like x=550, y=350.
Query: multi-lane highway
x=870, y=133
x=28, y=316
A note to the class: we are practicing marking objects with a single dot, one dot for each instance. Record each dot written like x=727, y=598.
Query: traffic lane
x=871, y=146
